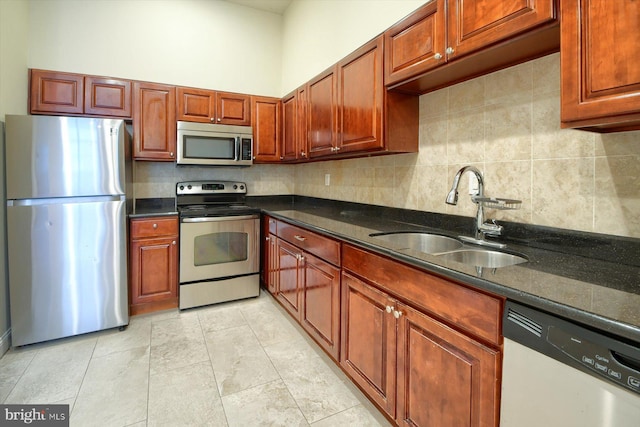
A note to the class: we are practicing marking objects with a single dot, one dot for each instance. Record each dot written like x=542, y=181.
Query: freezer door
x=67, y=268
x=51, y=156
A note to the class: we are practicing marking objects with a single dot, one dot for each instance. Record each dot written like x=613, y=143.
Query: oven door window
x=220, y=248
x=209, y=147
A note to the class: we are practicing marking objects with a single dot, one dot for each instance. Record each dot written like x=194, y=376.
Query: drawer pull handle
x=155, y=226
x=300, y=238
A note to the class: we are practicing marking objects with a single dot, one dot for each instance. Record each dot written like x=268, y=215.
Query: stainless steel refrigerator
x=67, y=205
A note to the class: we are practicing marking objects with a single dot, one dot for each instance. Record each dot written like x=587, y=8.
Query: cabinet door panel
x=321, y=303
x=444, y=377
x=155, y=275
x=266, y=122
x=233, y=109
x=321, y=115
x=368, y=349
x=600, y=70
x=474, y=24
x=290, y=122
x=154, y=121
x=196, y=105
x=107, y=97
x=57, y=93
x=289, y=276
x=411, y=46
x=360, y=97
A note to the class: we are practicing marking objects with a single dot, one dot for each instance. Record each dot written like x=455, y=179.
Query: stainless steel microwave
x=212, y=144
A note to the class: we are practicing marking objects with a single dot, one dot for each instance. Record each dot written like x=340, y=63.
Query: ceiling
x=275, y=6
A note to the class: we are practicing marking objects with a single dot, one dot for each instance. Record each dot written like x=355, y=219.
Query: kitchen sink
x=422, y=242
x=483, y=258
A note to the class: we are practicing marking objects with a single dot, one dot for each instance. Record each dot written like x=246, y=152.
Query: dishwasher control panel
x=600, y=359
x=610, y=358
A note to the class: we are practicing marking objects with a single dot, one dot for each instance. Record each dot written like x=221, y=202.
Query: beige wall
x=508, y=125
x=317, y=34
x=200, y=43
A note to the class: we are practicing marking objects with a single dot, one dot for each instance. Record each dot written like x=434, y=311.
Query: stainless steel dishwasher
x=557, y=373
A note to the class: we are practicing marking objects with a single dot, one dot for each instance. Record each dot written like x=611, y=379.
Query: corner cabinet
x=426, y=350
x=153, y=264
x=266, y=119
x=600, y=75
x=52, y=92
x=154, y=122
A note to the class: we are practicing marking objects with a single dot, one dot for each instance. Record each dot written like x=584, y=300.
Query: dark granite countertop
x=154, y=207
x=591, y=279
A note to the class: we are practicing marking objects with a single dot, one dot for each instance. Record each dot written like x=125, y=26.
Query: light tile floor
x=243, y=363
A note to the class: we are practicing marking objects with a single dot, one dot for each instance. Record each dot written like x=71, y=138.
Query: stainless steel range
x=219, y=243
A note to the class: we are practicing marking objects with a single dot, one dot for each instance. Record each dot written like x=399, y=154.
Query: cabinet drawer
x=320, y=246
x=477, y=313
x=154, y=227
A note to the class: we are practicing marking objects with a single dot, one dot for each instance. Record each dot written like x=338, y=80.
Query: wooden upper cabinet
x=208, y=106
x=107, y=97
x=290, y=120
x=55, y=93
x=475, y=24
x=154, y=121
x=425, y=50
x=233, y=109
x=600, y=69
x=360, y=99
x=266, y=121
x=76, y=94
x=417, y=43
x=322, y=114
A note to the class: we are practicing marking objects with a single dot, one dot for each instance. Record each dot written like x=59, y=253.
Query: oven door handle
x=219, y=218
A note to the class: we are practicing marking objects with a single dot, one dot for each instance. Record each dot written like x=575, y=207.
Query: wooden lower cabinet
x=153, y=264
x=416, y=368
x=290, y=279
x=444, y=377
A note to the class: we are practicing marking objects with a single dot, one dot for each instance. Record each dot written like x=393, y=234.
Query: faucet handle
x=492, y=228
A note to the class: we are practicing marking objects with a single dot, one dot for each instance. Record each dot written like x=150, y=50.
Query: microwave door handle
x=237, y=149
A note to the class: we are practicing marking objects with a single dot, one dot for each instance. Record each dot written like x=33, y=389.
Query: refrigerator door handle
x=57, y=200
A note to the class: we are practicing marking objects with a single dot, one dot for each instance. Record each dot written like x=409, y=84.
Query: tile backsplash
x=507, y=124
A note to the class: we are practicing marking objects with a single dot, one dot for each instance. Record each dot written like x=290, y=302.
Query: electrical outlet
x=327, y=179
x=474, y=187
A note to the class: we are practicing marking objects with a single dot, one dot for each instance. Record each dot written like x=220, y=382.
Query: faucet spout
x=452, y=197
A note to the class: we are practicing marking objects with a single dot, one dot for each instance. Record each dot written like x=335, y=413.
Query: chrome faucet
x=482, y=228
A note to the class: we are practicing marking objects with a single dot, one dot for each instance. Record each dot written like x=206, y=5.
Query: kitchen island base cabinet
x=153, y=264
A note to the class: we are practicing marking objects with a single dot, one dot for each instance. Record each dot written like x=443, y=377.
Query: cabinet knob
x=155, y=226
x=213, y=119
x=281, y=157
x=389, y=309
x=171, y=154
x=449, y=50
x=219, y=119
x=338, y=148
x=303, y=154
x=267, y=238
x=397, y=314
x=173, y=243
x=438, y=56
x=300, y=238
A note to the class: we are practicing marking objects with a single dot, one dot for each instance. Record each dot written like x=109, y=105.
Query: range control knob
x=235, y=186
x=189, y=186
x=242, y=187
x=182, y=187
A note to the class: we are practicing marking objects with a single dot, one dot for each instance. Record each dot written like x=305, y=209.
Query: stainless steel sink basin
x=483, y=258
x=422, y=242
